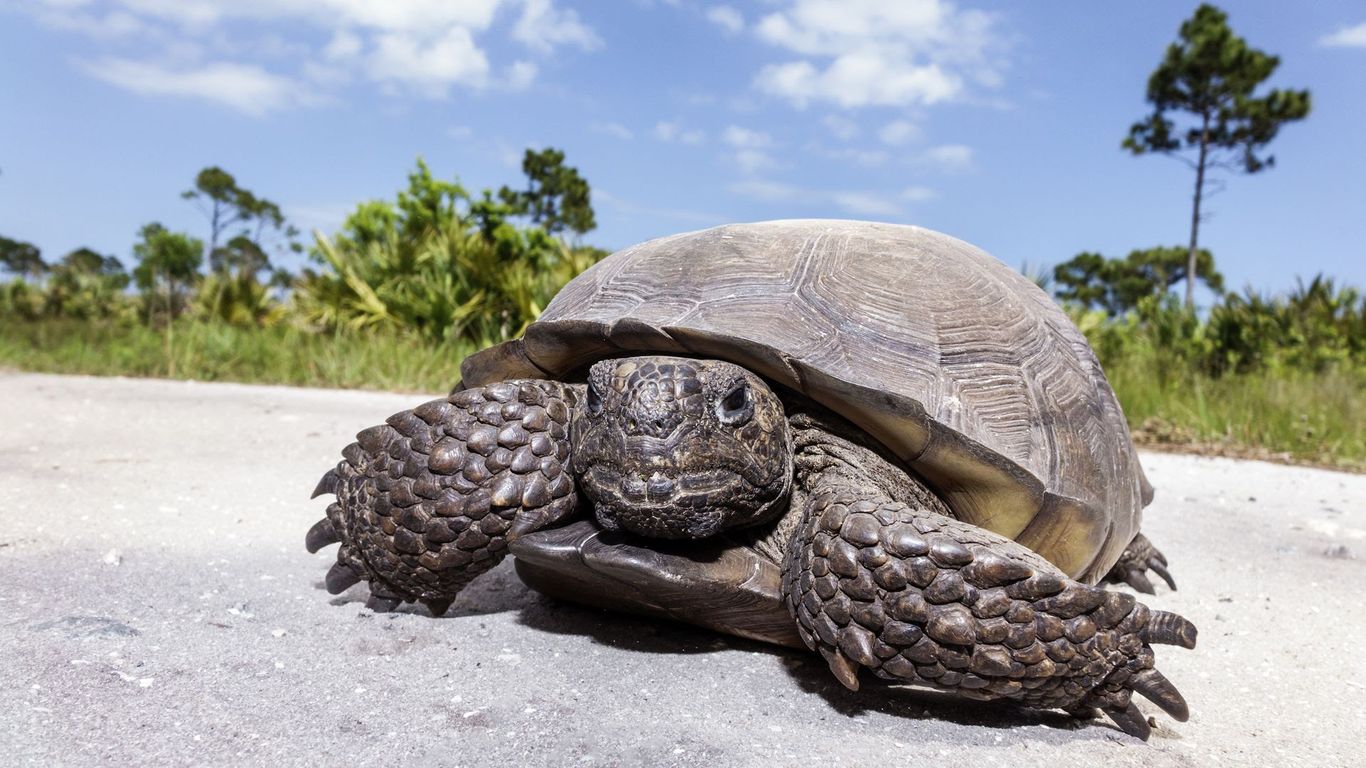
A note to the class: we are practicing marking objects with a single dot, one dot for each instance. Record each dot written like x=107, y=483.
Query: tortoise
x=872, y=441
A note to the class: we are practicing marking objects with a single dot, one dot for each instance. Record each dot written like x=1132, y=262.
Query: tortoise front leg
x=431, y=499
x=919, y=597
x=1133, y=566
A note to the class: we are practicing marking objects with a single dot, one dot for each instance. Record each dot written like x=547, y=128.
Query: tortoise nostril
x=656, y=422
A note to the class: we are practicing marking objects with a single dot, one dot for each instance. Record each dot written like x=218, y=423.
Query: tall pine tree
x=1207, y=77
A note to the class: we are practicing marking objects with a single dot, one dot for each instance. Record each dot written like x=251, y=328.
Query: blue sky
x=997, y=123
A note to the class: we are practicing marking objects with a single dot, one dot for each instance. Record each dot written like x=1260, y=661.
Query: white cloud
x=746, y=138
x=753, y=160
x=72, y=17
x=344, y=45
x=868, y=158
x=858, y=53
x=421, y=46
x=948, y=157
x=917, y=194
x=245, y=88
x=614, y=129
x=898, y=132
x=727, y=18
x=751, y=146
x=429, y=65
x=1347, y=37
x=857, y=80
x=408, y=16
x=543, y=27
x=521, y=74
x=670, y=132
x=842, y=127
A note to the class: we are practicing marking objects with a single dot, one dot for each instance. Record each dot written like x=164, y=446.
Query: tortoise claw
x=1169, y=629
x=382, y=604
x=438, y=607
x=320, y=535
x=1139, y=581
x=1133, y=566
x=1160, y=568
x=1131, y=721
x=328, y=484
x=383, y=598
x=340, y=577
x=844, y=670
x=1084, y=712
x=1155, y=687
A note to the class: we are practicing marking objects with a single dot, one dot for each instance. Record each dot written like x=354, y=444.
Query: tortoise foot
x=432, y=498
x=915, y=596
x=1133, y=566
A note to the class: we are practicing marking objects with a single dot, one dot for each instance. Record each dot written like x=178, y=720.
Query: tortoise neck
x=829, y=453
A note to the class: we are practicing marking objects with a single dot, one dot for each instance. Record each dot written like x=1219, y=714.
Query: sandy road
x=157, y=608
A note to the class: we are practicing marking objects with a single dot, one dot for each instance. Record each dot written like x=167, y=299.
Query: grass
x=1274, y=414
x=1281, y=415
x=280, y=354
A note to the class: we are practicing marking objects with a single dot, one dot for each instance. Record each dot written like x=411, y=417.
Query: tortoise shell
x=956, y=363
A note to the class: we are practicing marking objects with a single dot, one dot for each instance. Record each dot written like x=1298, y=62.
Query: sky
x=998, y=123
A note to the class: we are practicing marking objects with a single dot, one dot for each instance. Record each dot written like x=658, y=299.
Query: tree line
x=436, y=260
x=449, y=265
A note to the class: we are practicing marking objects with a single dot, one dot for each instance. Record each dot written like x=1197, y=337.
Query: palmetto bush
x=69, y=289
x=453, y=284
x=438, y=265
x=236, y=298
x=1314, y=327
x=21, y=299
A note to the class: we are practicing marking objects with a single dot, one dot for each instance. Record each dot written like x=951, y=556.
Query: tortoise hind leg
x=431, y=499
x=916, y=596
x=1139, y=558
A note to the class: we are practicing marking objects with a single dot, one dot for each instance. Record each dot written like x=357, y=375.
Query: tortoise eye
x=735, y=408
x=593, y=402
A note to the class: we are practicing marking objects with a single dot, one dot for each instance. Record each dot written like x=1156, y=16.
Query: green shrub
x=438, y=264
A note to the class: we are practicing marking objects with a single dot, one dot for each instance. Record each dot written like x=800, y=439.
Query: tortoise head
x=676, y=448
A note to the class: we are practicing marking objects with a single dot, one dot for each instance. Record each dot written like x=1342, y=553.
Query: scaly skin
x=430, y=500
x=877, y=573
x=899, y=587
